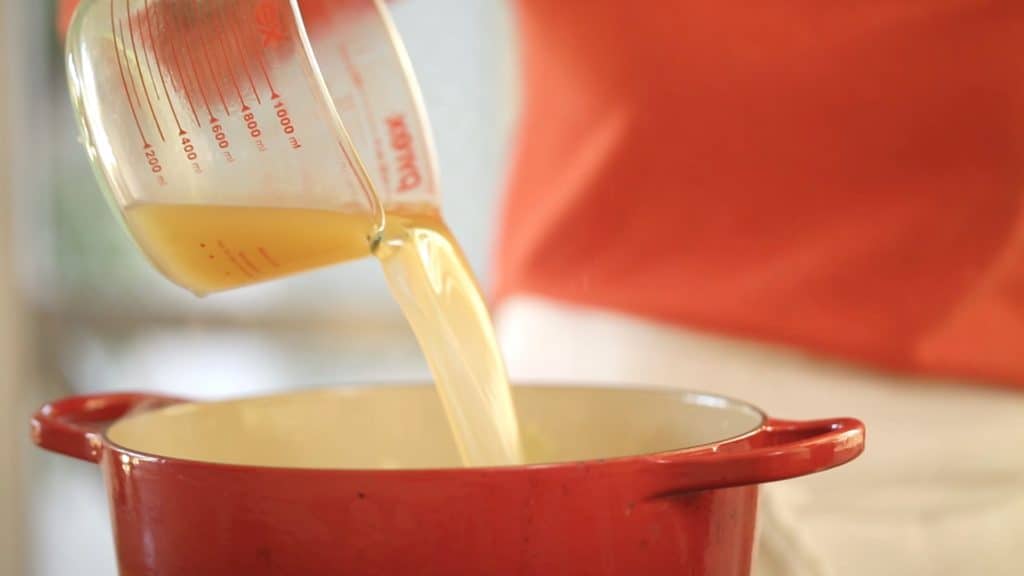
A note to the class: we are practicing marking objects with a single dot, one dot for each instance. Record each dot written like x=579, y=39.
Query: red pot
x=621, y=482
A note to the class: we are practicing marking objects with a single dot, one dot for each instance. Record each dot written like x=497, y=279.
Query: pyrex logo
x=267, y=14
x=409, y=176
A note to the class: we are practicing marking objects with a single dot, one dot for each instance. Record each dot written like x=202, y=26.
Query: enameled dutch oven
x=366, y=481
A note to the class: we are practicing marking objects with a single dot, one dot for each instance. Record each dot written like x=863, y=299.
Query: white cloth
x=939, y=490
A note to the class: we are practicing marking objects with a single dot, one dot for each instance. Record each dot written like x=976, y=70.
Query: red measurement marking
x=160, y=71
x=262, y=61
x=263, y=66
x=266, y=256
x=165, y=46
x=241, y=54
x=142, y=77
x=127, y=65
x=245, y=260
x=171, y=33
x=209, y=61
x=192, y=64
x=228, y=66
x=151, y=48
x=124, y=82
x=227, y=60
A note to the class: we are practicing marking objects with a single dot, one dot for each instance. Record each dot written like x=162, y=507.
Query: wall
x=12, y=424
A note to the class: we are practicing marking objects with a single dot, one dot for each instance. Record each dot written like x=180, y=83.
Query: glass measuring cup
x=227, y=131
x=244, y=140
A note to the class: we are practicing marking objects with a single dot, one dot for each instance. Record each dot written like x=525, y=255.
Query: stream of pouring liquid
x=208, y=248
x=435, y=287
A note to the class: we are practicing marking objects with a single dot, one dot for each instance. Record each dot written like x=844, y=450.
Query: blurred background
x=82, y=311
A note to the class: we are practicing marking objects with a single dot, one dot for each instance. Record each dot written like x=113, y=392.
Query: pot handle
x=74, y=425
x=787, y=449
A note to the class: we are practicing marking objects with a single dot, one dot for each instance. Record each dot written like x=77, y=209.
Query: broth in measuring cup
x=208, y=248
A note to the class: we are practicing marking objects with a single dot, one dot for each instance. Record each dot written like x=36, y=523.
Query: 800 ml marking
x=250, y=122
x=253, y=126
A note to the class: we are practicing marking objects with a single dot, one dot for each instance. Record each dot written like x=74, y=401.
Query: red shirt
x=843, y=177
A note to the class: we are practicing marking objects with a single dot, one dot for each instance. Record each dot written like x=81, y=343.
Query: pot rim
x=689, y=396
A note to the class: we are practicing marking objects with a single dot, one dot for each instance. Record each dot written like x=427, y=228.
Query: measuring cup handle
x=74, y=425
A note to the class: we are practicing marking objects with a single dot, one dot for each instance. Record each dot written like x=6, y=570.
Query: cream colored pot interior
x=405, y=427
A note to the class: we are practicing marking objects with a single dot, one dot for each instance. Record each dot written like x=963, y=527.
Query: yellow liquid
x=212, y=248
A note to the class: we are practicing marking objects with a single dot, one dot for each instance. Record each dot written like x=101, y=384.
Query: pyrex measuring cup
x=192, y=105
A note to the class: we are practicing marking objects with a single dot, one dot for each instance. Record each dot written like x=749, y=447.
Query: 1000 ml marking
x=281, y=111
